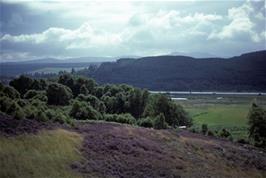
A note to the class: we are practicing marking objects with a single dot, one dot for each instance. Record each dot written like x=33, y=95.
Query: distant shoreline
x=209, y=93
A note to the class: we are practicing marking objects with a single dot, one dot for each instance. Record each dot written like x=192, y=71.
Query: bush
x=174, y=114
x=93, y=101
x=121, y=118
x=210, y=133
x=62, y=118
x=159, y=122
x=58, y=94
x=41, y=116
x=50, y=114
x=34, y=94
x=82, y=111
x=204, y=128
x=11, y=92
x=22, y=102
x=225, y=133
x=19, y=114
x=126, y=118
x=145, y=122
x=5, y=103
x=257, y=125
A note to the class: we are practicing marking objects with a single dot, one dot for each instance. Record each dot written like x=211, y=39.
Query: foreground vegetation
x=69, y=98
x=47, y=154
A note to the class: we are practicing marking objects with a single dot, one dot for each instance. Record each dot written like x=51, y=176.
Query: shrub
x=41, y=116
x=225, y=133
x=22, y=102
x=174, y=114
x=13, y=107
x=61, y=118
x=40, y=105
x=121, y=118
x=257, y=125
x=210, y=133
x=19, y=114
x=58, y=94
x=34, y=94
x=126, y=118
x=30, y=111
x=159, y=122
x=145, y=122
x=50, y=114
x=5, y=103
x=82, y=111
x=204, y=128
x=11, y=92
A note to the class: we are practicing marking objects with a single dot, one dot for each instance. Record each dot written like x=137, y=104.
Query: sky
x=70, y=28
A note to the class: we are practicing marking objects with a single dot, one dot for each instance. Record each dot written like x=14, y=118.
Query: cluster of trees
x=71, y=97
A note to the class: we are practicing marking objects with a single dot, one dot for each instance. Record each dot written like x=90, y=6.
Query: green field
x=47, y=154
x=229, y=112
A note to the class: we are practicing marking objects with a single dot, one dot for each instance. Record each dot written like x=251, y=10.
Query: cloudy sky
x=68, y=28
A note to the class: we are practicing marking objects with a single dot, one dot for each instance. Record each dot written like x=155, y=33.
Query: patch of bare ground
x=116, y=150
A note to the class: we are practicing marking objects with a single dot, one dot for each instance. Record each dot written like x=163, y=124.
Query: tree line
x=72, y=97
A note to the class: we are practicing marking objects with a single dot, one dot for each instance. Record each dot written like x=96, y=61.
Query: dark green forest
x=180, y=73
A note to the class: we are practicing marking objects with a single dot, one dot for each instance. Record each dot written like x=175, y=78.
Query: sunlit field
x=229, y=112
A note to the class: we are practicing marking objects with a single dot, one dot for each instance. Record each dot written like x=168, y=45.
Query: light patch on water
x=179, y=99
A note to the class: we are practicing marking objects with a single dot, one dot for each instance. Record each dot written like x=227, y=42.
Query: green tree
x=58, y=94
x=11, y=92
x=159, y=122
x=257, y=125
x=174, y=114
x=22, y=84
x=83, y=111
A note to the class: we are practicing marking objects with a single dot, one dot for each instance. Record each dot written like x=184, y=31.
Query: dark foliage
x=58, y=94
x=204, y=129
x=52, y=100
x=174, y=114
x=159, y=122
x=145, y=122
x=121, y=118
x=186, y=73
x=257, y=125
x=83, y=111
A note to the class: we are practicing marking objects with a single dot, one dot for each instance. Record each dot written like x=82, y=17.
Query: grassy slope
x=117, y=150
x=47, y=154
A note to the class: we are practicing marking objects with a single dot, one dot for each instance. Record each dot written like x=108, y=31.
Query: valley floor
x=100, y=149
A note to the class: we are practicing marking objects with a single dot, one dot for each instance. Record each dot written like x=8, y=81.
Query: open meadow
x=221, y=111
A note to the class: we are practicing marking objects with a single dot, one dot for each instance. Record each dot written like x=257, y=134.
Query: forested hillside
x=242, y=73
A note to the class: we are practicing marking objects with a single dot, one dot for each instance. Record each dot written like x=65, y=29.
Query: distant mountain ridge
x=246, y=72
x=66, y=60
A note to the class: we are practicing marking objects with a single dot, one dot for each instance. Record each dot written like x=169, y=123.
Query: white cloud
x=137, y=28
x=148, y=32
x=240, y=24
